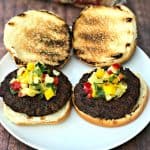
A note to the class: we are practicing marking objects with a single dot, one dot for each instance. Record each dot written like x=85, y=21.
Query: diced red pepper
x=56, y=80
x=16, y=86
x=109, y=71
x=89, y=95
x=43, y=77
x=116, y=66
x=87, y=87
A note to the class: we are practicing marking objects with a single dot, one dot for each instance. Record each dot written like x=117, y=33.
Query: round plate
x=76, y=133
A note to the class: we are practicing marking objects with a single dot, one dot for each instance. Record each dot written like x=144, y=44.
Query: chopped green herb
x=99, y=91
x=40, y=96
x=51, y=85
x=48, y=71
x=13, y=92
x=38, y=71
x=112, y=78
x=43, y=68
x=36, y=86
x=118, y=71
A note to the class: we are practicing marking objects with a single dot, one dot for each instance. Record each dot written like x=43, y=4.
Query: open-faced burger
x=36, y=94
x=110, y=96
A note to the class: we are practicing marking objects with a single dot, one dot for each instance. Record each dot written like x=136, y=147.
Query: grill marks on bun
x=102, y=32
x=38, y=35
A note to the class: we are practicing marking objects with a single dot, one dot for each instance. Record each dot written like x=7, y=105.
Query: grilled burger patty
x=114, y=109
x=36, y=106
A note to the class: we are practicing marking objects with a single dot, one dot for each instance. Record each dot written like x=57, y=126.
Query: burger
x=33, y=95
x=110, y=96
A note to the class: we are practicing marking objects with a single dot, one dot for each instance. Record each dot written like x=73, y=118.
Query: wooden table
x=9, y=8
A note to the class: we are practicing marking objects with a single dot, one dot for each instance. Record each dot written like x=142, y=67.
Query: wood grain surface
x=9, y=8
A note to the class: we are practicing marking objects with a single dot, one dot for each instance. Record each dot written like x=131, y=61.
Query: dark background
x=9, y=8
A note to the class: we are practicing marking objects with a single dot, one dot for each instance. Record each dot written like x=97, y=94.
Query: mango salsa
x=107, y=84
x=35, y=79
x=100, y=73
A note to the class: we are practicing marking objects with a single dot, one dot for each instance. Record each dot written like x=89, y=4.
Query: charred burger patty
x=36, y=106
x=114, y=109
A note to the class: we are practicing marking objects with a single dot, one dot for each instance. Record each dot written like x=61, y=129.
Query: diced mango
x=30, y=66
x=32, y=92
x=24, y=85
x=121, y=88
x=100, y=73
x=26, y=77
x=109, y=89
x=115, y=80
x=30, y=78
x=93, y=79
x=23, y=78
x=29, y=92
x=93, y=91
x=49, y=93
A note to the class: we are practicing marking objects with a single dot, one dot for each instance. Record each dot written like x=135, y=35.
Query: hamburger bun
x=23, y=119
x=105, y=35
x=127, y=118
x=38, y=35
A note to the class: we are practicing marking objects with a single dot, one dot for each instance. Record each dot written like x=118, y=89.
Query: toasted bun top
x=38, y=35
x=105, y=35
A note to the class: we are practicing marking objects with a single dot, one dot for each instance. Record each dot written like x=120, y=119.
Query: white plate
x=75, y=133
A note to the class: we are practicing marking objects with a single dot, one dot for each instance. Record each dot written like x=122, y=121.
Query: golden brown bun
x=23, y=119
x=105, y=35
x=138, y=109
x=38, y=35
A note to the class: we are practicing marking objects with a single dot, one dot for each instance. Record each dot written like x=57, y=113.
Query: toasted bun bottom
x=137, y=110
x=23, y=119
